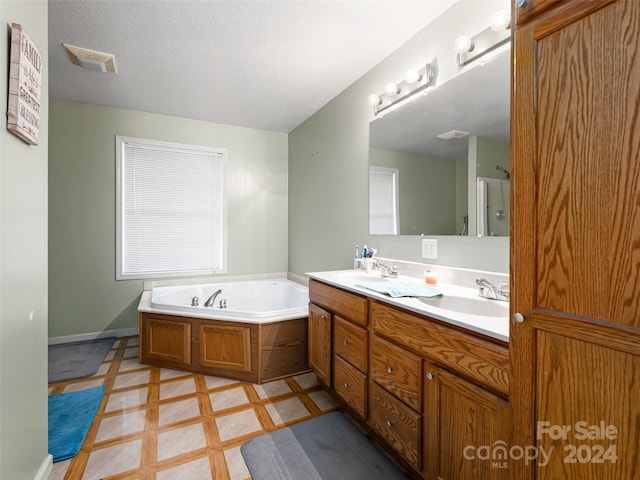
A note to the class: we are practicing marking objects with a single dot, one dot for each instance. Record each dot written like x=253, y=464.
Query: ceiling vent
x=453, y=134
x=91, y=60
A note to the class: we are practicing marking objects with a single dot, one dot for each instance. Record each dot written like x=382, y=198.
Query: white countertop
x=460, y=306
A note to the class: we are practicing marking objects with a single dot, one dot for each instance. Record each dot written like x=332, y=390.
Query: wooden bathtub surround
x=575, y=240
x=249, y=352
x=422, y=388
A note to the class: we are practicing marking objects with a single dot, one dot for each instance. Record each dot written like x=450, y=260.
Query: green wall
x=23, y=269
x=328, y=163
x=427, y=190
x=84, y=296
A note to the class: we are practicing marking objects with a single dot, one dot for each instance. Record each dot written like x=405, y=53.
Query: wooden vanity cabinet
x=339, y=343
x=437, y=394
x=425, y=389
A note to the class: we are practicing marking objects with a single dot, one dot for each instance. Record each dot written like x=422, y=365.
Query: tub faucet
x=489, y=290
x=211, y=300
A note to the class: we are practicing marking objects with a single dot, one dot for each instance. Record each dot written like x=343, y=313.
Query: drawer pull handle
x=323, y=317
x=346, y=342
x=429, y=376
x=389, y=370
x=346, y=385
x=389, y=423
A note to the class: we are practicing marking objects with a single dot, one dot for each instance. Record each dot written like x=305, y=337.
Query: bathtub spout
x=211, y=300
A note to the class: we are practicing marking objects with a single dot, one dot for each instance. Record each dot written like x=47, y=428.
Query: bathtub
x=260, y=336
x=253, y=301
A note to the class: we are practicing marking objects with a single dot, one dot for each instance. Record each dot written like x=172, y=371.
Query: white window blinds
x=171, y=209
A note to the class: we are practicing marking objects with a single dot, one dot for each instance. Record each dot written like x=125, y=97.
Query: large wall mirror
x=420, y=183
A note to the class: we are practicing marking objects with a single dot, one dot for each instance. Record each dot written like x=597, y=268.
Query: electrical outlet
x=429, y=248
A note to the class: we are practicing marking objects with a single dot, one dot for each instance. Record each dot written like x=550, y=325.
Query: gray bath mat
x=328, y=447
x=68, y=361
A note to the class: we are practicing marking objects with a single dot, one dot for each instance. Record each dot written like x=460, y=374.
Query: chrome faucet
x=387, y=271
x=489, y=290
x=211, y=300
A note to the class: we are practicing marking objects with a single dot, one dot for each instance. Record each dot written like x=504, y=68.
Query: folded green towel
x=401, y=289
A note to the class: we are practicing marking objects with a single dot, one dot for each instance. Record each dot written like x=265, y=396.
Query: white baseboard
x=123, y=332
x=45, y=469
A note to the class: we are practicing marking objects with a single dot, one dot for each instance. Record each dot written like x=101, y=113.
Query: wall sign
x=25, y=86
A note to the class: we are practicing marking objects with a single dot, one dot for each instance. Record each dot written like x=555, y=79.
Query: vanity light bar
x=491, y=38
x=415, y=81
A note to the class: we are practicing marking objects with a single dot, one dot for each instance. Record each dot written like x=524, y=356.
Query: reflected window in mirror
x=383, y=201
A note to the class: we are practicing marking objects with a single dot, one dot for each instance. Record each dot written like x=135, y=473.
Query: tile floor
x=162, y=424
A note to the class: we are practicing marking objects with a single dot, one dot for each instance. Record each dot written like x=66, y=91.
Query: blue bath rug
x=70, y=416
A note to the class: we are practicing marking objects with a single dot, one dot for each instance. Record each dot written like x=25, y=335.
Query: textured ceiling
x=264, y=64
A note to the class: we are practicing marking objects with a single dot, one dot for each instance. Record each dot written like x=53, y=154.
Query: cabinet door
x=320, y=343
x=226, y=347
x=166, y=340
x=466, y=429
x=575, y=245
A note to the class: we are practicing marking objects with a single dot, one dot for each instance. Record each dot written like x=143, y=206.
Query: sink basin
x=470, y=306
x=360, y=277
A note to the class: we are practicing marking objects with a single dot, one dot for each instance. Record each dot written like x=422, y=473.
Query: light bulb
x=500, y=20
x=412, y=76
x=374, y=99
x=391, y=89
x=463, y=44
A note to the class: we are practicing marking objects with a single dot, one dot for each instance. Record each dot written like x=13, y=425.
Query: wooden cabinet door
x=225, y=347
x=320, y=343
x=165, y=340
x=575, y=245
x=466, y=429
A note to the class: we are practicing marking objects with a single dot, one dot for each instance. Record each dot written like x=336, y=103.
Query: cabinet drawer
x=476, y=358
x=399, y=425
x=351, y=343
x=397, y=370
x=347, y=305
x=351, y=385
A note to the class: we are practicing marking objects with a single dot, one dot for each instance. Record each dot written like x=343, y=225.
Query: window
x=383, y=201
x=171, y=214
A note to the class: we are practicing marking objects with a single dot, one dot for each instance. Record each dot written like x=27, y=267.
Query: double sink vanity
x=428, y=377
